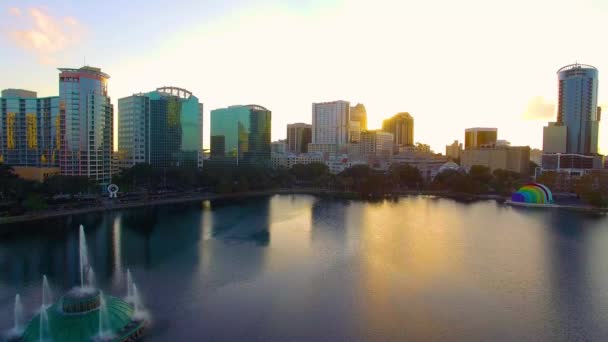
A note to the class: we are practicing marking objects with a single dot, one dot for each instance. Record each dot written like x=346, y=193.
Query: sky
x=451, y=64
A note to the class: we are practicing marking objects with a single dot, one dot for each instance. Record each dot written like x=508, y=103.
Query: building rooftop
x=86, y=69
x=21, y=93
x=576, y=66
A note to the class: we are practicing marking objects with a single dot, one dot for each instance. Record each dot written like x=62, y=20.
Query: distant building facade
x=555, y=138
x=401, y=125
x=536, y=156
x=331, y=123
x=163, y=128
x=358, y=113
x=376, y=143
x=478, y=137
x=29, y=129
x=86, y=118
x=573, y=164
x=279, y=147
x=299, y=135
x=454, y=151
x=427, y=163
x=511, y=158
x=288, y=160
x=241, y=134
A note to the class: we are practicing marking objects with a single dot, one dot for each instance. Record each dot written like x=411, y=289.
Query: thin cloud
x=539, y=109
x=46, y=35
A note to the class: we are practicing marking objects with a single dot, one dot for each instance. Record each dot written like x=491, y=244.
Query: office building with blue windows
x=163, y=128
x=241, y=135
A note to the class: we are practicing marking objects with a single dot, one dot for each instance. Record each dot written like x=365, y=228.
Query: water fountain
x=47, y=295
x=18, y=314
x=91, y=281
x=83, y=314
x=129, y=285
x=104, y=331
x=15, y=332
x=43, y=329
x=83, y=253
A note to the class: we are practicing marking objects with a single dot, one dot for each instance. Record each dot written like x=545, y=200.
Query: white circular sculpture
x=113, y=190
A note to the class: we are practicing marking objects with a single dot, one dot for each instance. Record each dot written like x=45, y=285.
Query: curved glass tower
x=577, y=107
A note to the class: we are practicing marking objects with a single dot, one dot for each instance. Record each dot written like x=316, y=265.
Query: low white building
x=339, y=163
x=288, y=160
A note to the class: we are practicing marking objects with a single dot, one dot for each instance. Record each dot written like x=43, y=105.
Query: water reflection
x=568, y=248
x=306, y=268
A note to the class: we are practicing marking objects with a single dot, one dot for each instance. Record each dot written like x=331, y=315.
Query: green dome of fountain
x=76, y=318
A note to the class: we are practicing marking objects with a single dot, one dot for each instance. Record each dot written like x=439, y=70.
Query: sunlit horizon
x=451, y=65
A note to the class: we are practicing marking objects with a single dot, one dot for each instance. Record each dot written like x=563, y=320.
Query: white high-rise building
x=331, y=123
x=86, y=118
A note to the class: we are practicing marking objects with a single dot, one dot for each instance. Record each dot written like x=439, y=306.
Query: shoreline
x=42, y=215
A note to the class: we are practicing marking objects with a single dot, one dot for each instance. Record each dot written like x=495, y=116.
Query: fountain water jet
x=91, y=280
x=84, y=257
x=104, y=332
x=44, y=324
x=47, y=294
x=140, y=312
x=18, y=315
x=129, y=285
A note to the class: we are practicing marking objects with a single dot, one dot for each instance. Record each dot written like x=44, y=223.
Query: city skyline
x=414, y=76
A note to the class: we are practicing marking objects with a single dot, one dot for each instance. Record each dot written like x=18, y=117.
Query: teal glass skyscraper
x=163, y=128
x=29, y=129
x=241, y=135
x=86, y=124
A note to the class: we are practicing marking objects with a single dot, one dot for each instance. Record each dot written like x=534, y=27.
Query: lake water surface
x=301, y=268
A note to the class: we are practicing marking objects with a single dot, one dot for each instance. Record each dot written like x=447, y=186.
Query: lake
x=302, y=268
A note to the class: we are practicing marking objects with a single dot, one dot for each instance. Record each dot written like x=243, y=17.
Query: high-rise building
x=454, y=151
x=29, y=129
x=86, y=120
x=478, y=137
x=359, y=114
x=554, y=138
x=299, y=135
x=401, y=125
x=331, y=123
x=163, y=128
x=354, y=131
x=376, y=143
x=241, y=134
x=577, y=107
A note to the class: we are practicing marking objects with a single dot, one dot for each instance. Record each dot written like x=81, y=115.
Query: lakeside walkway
x=110, y=205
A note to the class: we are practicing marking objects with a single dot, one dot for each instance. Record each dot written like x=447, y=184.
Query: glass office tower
x=29, y=129
x=402, y=127
x=163, y=128
x=241, y=134
x=577, y=107
x=86, y=124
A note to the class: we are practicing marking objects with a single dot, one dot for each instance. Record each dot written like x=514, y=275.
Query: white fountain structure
x=54, y=321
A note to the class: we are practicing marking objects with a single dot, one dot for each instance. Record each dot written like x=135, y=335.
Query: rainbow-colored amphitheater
x=533, y=193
